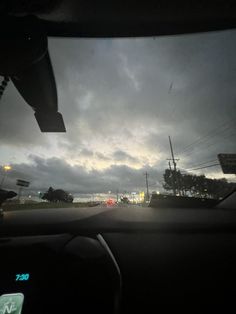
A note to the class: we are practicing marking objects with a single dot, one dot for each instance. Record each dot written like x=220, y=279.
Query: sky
x=121, y=99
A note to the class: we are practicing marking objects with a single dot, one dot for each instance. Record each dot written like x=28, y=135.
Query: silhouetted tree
x=4, y=195
x=198, y=186
x=125, y=200
x=57, y=196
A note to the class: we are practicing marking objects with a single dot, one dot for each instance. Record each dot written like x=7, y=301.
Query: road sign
x=22, y=183
x=228, y=163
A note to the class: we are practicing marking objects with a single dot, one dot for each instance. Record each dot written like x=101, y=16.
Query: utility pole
x=146, y=175
x=172, y=178
x=117, y=195
x=19, y=193
x=173, y=159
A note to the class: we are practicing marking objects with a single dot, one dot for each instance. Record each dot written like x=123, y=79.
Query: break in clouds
x=120, y=99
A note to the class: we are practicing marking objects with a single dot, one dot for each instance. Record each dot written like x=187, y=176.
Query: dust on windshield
x=147, y=118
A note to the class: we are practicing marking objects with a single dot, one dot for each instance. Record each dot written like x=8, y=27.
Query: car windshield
x=144, y=117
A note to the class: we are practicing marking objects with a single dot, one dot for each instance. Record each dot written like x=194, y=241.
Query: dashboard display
x=42, y=266
x=11, y=303
x=22, y=277
x=27, y=271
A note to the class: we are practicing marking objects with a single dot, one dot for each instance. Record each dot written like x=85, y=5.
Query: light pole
x=6, y=168
x=147, y=185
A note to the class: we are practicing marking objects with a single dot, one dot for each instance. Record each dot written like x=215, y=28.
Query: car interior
x=108, y=259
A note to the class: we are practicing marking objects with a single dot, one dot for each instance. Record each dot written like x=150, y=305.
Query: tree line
x=196, y=185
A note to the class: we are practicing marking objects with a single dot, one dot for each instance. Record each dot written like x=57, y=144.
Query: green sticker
x=11, y=303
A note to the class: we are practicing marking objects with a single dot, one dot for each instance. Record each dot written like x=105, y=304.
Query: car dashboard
x=117, y=260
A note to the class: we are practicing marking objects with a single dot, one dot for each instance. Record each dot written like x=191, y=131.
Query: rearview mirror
x=25, y=59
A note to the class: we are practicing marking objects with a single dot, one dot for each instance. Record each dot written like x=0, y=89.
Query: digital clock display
x=22, y=277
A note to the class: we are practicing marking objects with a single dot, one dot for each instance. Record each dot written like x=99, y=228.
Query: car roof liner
x=124, y=19
x=33, y=21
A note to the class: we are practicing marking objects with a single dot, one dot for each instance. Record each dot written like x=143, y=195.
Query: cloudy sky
x=120, y=100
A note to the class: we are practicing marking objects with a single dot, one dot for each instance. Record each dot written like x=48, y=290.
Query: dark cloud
x=120, y=155
x=57, y=173
x=86, y=152
x=199, y=67
x=102, y=156
x=120, y=100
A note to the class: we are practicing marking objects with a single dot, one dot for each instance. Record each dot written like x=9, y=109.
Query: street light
x=6, y=168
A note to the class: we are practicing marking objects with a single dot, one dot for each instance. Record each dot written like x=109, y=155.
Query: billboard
x=22, y=183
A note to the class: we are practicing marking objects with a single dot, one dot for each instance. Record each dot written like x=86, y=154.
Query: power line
x=206, y=137
x=204, y=167
x=209, y=134
x=203, y=163
x=211, y=144
x=225, y=124
x=204, y=141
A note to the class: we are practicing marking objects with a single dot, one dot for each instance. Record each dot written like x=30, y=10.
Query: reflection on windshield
x=145, y=118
